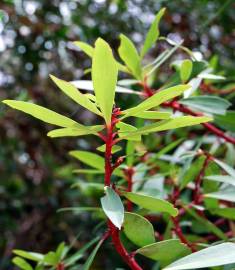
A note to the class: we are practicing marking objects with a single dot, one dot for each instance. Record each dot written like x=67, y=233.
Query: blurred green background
x=35, y=40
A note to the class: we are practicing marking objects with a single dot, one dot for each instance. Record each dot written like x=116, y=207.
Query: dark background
x=35, y=40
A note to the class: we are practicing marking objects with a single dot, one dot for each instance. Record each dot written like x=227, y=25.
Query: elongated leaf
x=151, y=203
x=222, y=178
x=228, y=169
x=74, y=132
x=33, y=256
x=22, y=264
x=153, y=33
x=104, y=77
x=205, y=75
x=156, y=99
x=165, y=251
x=174, y=123
x=228, y=212
x=209, y=104
x=130, y=150
x=227, y=121
x=138, y=229
x=71, y=91
x=113, y=207
x=86, y=48
x=89, y=158
x=221, y=254
x=124, y=129
x=186, y=70
x=42, y=113
x=130, y=56
x=153, y=115
x=115, y=148
x=226, y=194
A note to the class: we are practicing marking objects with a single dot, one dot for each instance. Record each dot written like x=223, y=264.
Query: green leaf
x=124, y=129
x=226, y=194
x=61, y=251
x=86, y=48
x=211, y=227
x=138, y=229
x=228, y=212
x=153, y=115
x=186, y=70
x=80, y=253
x=115, y=148
x=228, y=169
x=151, y=203
x=174, y=123
x=71, y=91
x=217, y=255
x=74, y=132
x=208, y=104
x=156, y=99
x=101, y=70
x=227, y=121
x=42, y=113
x=165, y=251
x=222, y=178
x=153, y=33
x=90, y=259
x=89, y=158
x=130, y=150
x=51, y=258
x=21, y=263
x=130, y=56
x=113, y=207
x=33, y=256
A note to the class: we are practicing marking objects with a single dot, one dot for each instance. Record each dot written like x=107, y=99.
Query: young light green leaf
x=101, y=70
x=124, y=129
x=74, y=132
x=138, y=229
x=51, y=258
x=130, y=150
x=153, y=33
x=186, y=70
x=208, y=104
x=130, y=56
x=165, y=251
x=151, y=203
x=33, y=256
x=226, y=194
x=153, y=115
x=89, y=158
x=228, y=169
x=173, y=123
x=71, y=91
x=86, y=48
x=22, y=264
x=222, y=178
x=115, y=148
x=42, y=113
x=113, y=207
x=156, y=99
x=217, y=255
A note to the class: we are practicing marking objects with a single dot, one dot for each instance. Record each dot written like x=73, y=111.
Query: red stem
x=60, y=266
x=114, y=232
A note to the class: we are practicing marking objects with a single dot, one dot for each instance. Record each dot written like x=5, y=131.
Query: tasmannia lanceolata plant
x=188, y=195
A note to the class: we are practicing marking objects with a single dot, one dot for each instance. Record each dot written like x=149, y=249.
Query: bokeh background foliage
x=35, y=40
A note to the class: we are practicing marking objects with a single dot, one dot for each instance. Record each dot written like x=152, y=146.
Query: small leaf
x=130, y=150
x=153, y=33
x=115, y=148
x=33, y=256
x=130, y=56
x=151, y=203
x=86, y=48
x=51, y=258
x=227, y=121
x=138, y=229
x=71, y=91
x=222, y=178
x=156, y=99
x=153, y=115
x=21, y=263
x=226, y=194
x=42, y=113
x=113, y=207
x=228, y=212
x=124, y=129
x=89, y=158
x=165, y=251
x=74, y=132
x=104, y=77
x=217, y=255
x=186, y=70
x=228, y=169
x=208, y=104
